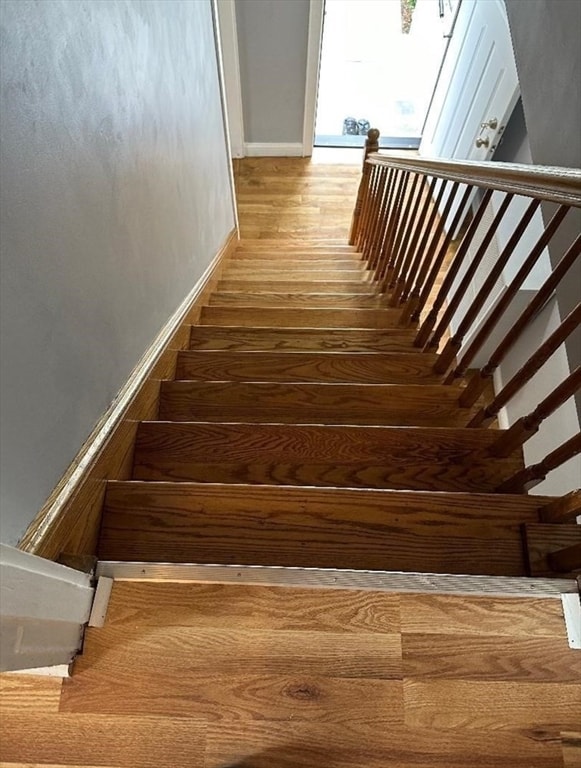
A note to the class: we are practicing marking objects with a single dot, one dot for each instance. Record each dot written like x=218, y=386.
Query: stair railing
x=422, y=223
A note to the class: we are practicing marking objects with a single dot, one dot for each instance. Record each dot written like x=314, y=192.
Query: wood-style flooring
x=216, y=676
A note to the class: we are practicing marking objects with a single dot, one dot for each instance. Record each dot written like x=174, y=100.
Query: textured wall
x=272, y=41
x=115, y=196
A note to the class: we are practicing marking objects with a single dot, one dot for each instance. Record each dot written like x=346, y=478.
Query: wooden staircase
x=304, y=428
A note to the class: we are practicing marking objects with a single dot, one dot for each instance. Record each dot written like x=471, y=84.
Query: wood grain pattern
x=308, y=300
x=290, y=264
x=445, y=614
x=310, y=528
x=222, y=606
x=29, y=693
x=289, y=275
x=571, y=744
x=149, y=742
x=331, y=367
x=214, y=337
x=299, y=745
x=300, y=286
x=410, y=405
x=293, y=317
x=362, y=457
x=451, y=704
x=489, y=658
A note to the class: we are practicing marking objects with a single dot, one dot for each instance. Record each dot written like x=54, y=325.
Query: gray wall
x=115, y=196
x=545, y=37
x=272, y=41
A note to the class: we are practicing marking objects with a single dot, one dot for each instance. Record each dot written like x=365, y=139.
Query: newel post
x=371, y=145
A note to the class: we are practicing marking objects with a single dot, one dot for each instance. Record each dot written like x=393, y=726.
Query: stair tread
x=317, y=286
x=410, y=404
x=332, y=367
x=300, y=317
x=422, y=458
x=315, y=527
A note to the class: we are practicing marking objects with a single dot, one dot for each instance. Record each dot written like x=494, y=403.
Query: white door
x=477, y=88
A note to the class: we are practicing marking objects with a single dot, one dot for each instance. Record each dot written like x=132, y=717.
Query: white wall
x=272, y=41
x=115, y=196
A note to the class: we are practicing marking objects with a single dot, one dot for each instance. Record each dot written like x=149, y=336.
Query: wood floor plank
x=323, y=367
x=308, y=300
x=439, y=459
x=300, y=745
x=115, y=688
x=490, y=658
x=223, y=606
x=356, y=340
x=495, y=705
x=274, y=263
x=97, y=739
x=29, y=693
x=545, y=538
x=193, y=651
x=411, y=405
x=525, y=617
x=275, y=274
x=571, y=745
x=294, y=317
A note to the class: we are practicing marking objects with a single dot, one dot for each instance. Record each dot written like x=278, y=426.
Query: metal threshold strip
x=331, y=578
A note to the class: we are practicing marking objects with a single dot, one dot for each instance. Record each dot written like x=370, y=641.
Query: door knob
x=492, y=123
x=480, y=142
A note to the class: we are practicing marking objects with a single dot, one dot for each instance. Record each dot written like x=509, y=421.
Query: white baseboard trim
x=57, y=670
x=294, y=149
x=572, y=613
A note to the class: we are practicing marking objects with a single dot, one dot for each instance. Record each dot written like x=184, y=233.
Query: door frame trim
x=314, y=46
x=335, y=578
x=230, y=56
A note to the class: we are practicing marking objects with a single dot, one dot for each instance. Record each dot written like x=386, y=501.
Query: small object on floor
x=363, y=126
x=350, y=127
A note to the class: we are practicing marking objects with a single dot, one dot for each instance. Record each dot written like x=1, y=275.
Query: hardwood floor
x=216, y=676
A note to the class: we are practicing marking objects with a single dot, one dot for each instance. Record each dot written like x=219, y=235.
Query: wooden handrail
x=565, y=560
x=480, y=379
x=510, y=292
x=558, y=185
x=529, y=369
x=565, y=509
x=530, y=476
x=513, y=438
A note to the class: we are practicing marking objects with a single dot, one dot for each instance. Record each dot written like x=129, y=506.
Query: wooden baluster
x=565, y=560
x=369, y=203
x=411, y=238
x=420, y=250
x=512, y=439
x=509, y=293
x=402, y=212
x=394, y=222
x=530, y=476
x=371, y=145
x=479, y=380
x=407, y=224
x=427, y=326
x=455, y=342
x=460, y=292
x=377, y=218
x=565, y=509
x=439, y=260
x=409, y=312
x=529, y=369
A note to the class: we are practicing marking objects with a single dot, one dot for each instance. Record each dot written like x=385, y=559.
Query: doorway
x=380, y=60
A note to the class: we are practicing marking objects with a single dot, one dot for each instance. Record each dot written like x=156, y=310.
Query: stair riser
x=308, y=367
x=312, y=404
x=253, y=317
x=300, y=286
x=306, y=300
x=359, y=457
x=299, y=339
